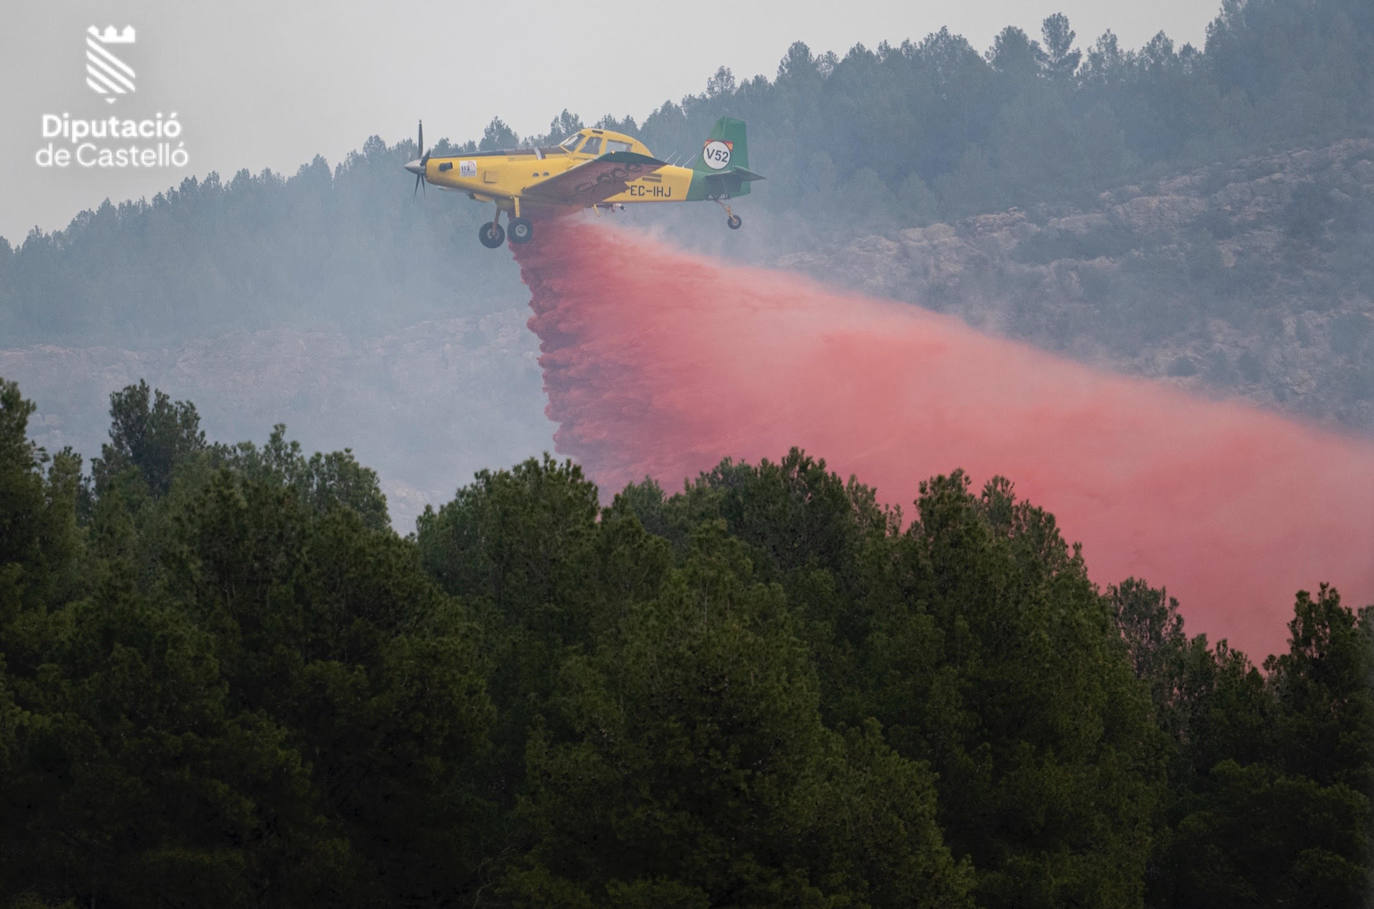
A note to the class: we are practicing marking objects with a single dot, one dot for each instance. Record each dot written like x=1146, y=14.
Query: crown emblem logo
x=106, y=74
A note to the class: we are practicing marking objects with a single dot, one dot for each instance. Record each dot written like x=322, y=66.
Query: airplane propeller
x=417, y=167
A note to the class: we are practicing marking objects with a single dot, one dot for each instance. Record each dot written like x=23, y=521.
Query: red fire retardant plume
x=661, y=363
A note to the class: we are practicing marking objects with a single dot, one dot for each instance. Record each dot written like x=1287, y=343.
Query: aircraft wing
x=589, y=183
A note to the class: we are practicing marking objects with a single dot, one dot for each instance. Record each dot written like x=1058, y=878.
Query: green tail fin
x=723, y=163
x=724, y=149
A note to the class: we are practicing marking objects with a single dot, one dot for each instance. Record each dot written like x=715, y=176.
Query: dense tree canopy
x=225, y=681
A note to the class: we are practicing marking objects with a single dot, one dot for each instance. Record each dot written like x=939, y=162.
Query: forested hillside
x=1195, y=215
x=878, y=139
x=225, y=681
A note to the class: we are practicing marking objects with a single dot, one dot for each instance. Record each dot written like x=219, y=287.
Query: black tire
x=734, y=222
x=521, y=230
x=491, y=234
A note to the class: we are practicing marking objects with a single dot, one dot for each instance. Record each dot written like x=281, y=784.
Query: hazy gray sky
x=265, y=83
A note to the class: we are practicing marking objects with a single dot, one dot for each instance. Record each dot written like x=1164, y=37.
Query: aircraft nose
x=416, y=167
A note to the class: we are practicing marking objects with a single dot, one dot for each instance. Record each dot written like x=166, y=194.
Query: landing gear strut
x=732, y=220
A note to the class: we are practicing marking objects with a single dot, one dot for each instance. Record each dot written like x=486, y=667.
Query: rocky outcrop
x=1253, y=278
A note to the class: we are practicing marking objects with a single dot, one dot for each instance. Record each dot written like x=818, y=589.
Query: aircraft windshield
x=613, y=145
x=571, y=142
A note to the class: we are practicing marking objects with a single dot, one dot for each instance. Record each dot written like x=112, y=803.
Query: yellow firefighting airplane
x=594, y=167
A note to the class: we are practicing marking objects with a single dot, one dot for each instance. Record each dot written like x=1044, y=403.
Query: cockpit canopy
x=600, y=142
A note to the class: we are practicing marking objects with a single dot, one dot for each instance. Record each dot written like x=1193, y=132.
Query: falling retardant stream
x=660, y=363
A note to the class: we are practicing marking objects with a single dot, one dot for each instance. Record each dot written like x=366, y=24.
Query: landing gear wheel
x=492, y=234
x=521, y=231
x=733, y=222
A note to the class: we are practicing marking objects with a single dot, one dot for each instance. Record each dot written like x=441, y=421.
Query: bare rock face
x=1253, y=279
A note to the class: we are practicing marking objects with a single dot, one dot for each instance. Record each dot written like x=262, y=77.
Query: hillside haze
x=1200, y=215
